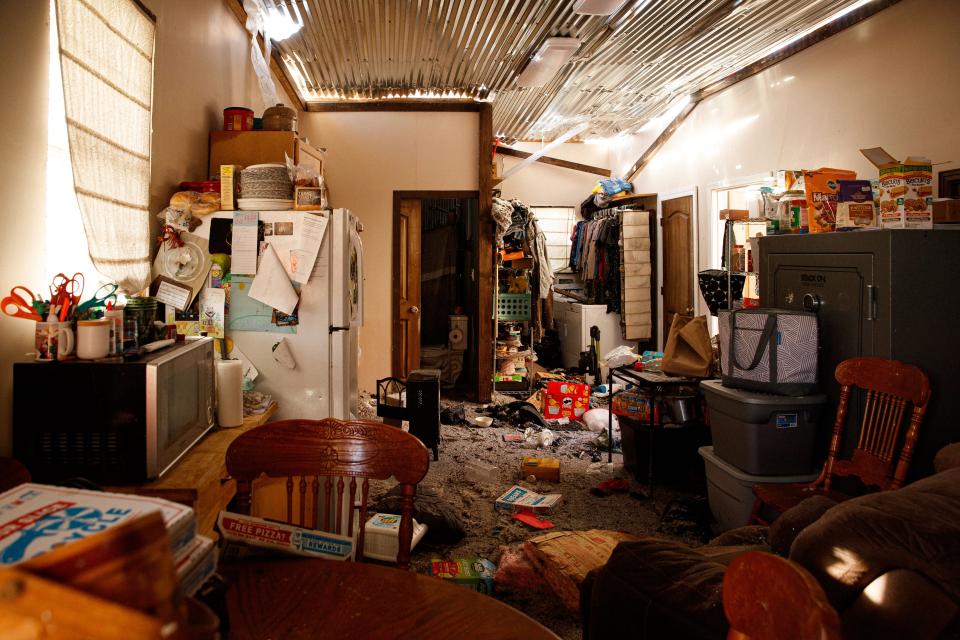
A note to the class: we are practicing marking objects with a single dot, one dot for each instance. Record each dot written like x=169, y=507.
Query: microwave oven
x=112, y=421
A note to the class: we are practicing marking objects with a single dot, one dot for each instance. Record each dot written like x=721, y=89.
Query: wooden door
x=406, y=287
x=677, y=287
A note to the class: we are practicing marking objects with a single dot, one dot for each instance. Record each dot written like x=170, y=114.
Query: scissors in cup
x=66, y=292
x=19, y=306
x=100, y=296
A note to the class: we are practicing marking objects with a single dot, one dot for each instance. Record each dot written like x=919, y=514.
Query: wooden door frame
x=395, y=365
x=694, y=260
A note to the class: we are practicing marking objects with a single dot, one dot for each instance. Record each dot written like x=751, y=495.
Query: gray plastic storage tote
x=770, y=350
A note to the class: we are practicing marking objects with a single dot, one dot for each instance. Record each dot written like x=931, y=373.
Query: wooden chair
x=312, y=449
x=891, y=387
x=766, y=597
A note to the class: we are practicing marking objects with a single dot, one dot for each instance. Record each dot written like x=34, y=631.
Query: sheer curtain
x=106, y=59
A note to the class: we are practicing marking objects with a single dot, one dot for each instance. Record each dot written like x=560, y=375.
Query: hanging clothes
x=595, y=255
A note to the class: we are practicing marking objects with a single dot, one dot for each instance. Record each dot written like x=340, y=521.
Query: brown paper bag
x=688, y=351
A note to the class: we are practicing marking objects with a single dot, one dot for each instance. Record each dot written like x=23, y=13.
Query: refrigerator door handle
x=871, y=302
x=334, y=329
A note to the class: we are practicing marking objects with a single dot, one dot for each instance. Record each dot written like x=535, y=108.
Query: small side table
x=657, y=384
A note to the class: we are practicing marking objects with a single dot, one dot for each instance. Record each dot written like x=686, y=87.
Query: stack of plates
x=265, y=187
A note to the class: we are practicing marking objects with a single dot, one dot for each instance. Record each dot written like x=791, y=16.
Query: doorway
x=435, y=287
x=676, y=262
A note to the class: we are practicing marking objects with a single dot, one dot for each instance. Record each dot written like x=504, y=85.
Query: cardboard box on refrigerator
x=906, y=190
x=229, y=186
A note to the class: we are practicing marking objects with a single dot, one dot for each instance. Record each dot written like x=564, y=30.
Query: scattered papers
x=212, y=311
x=243, y=254
x=312, y=228
x=271, y=286
x=518, y=498
x=282, y=354
x=529, y=519
x=172, y=293
x=250, y=372
x=247, y=314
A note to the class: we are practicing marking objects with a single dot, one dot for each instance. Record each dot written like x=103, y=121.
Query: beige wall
x=819, y=107
x=23, y=112
x=544, y=184
x=201, y=66
x=369, y=156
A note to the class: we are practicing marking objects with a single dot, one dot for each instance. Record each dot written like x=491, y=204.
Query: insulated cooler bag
x=771, y=350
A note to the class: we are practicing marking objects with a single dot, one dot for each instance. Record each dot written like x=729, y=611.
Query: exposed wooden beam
x=395, y=105
x=812, y=38
x=556, y=162
x=485, y=257
x=276, y=64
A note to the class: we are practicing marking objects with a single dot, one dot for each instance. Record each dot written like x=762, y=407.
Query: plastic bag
x=620, y=356
x=534, y=439
x=598, y=420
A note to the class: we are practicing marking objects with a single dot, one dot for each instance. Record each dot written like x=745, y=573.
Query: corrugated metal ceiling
x=628, y=69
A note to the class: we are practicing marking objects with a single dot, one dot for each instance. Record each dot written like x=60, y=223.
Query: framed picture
x=307, y=198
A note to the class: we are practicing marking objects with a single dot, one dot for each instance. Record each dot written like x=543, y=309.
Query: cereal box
x=518, y=498
x=566, y=400
x=906, y=190
x=821, y=188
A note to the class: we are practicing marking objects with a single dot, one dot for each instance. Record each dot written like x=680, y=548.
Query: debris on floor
x=478, y=465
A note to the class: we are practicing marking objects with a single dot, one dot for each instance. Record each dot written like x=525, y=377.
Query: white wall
x=888, y=81
x=369, y=156
x=544, y=184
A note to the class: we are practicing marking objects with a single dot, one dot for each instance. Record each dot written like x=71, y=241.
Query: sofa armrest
x=900, y=604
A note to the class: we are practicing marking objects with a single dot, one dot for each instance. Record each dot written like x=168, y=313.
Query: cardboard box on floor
x=564, y=558
x=540, y=468
x=906, y=190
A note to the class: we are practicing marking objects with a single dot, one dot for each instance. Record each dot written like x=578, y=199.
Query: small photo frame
x=307, y=198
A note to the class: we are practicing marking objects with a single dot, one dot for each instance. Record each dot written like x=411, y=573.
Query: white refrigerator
x=325, y=345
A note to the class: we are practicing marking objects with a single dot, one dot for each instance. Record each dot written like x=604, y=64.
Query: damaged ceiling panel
x=629, y=67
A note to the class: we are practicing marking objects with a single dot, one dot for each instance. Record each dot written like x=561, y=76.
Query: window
x=106, y=66
x=557, y=224
x=66, y=248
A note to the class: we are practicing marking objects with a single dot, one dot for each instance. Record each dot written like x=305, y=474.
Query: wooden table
x=307, y=598
x=199, y=479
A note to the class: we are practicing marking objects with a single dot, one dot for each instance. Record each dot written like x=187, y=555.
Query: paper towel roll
x=229, y=393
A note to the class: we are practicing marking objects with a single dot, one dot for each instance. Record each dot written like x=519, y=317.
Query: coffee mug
x=93, y=338
x=53, y=341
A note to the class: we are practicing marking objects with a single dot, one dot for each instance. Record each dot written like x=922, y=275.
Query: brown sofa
x=889, y=563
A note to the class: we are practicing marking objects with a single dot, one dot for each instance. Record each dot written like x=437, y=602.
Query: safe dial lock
x=812, y=302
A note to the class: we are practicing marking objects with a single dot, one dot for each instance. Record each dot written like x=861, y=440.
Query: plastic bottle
x=115, y=315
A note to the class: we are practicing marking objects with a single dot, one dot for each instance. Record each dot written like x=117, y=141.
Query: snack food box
x=229, y=186
x=517, y=498
x=906, y=190
x=855, y=208
x=36, y=518
x=821, y=187
x=541, y=468
x=475, y=573
x=235, y=527
x=566, y=400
